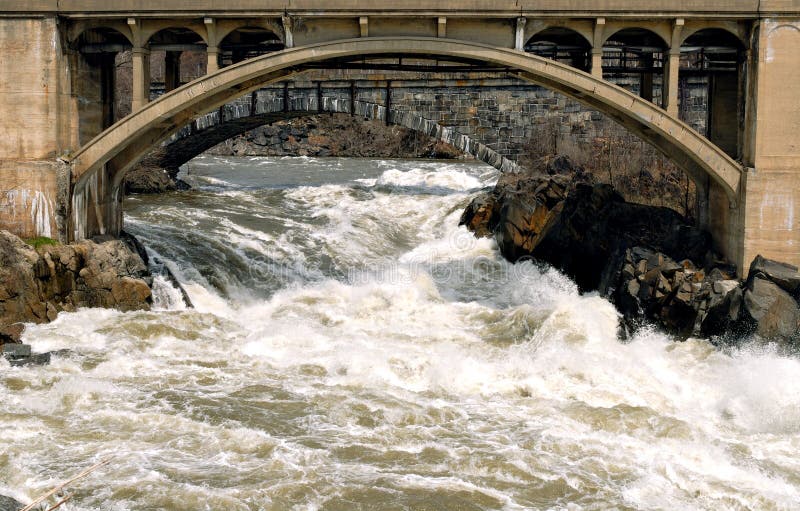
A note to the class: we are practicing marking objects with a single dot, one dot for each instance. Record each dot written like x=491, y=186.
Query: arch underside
x=121, y=146
x=209, y=131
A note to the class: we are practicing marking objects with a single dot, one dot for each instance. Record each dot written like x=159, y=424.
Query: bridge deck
x=477, y=8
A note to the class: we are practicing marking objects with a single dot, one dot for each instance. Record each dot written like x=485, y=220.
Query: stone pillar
x=671, y=72
x=212, y=51
x=141, y=78
x=597, y=63
x=519, y=39
x=213, y=59
x=441, y=27
x=597, y=47
x=288, y=31
x=172, y=70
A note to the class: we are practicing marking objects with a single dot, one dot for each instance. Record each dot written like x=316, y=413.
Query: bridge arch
x=237, y=118
x=728, y=29
x=176, y=30
x=96, y=167
x=77, y=31
x=563, y=44
x=247, y=41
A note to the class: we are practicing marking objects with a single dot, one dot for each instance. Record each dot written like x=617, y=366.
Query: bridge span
x=64, y=148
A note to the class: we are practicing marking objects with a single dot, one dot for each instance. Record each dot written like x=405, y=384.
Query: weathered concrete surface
x=30, y=137
x=769, y=220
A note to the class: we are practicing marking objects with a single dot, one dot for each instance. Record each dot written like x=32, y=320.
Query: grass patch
x=41, y=241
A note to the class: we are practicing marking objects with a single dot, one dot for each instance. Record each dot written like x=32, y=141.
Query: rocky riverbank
x=38, y=283
x=339, y=135
x=647, y=260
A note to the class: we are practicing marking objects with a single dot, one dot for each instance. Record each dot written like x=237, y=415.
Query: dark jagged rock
x=647, y=260
x=11, y=333
x=769, y=310
x=9, y=504
x=36, y=284
x=784, y=275
x=578, y=231
x=480, y=217
x=148, y=178
x=723, y=311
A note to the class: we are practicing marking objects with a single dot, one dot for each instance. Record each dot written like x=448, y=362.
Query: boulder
x=784, y=275
x=722, y=309
x=480, y=217
x=522, y=224
x=770, y=311
x=577, y=227
x=11, y=333
x=148, y=178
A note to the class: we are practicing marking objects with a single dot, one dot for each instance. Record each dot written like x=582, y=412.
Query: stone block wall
x=502, y=113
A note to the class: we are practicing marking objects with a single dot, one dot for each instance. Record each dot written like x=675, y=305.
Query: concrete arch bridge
x=65, y=180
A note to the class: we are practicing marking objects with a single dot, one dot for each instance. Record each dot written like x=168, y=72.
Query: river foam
x=352, y=348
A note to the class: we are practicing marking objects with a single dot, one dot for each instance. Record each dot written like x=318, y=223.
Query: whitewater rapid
x=352, y=348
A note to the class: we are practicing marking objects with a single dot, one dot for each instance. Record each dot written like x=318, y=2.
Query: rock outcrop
x=37, y=284
x=577, y=227
x=152, y=175
x=646, y=259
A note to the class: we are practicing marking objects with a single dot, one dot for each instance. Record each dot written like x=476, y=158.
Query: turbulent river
x=352, y=348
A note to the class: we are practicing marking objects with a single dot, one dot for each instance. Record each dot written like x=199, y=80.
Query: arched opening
x=246, y=43
x=711, y=97
x=633, y=58
x=98, y=166
x=563, y=45
x=292, y=119
x=177, y=56
x=99, y=78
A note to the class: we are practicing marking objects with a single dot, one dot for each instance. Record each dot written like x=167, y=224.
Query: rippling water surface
x=352, y=348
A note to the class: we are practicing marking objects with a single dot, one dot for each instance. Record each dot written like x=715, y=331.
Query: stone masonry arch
x=238, y=117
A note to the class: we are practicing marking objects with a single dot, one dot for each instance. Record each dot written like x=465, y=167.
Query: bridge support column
x=96, y=207
x=769, y=207
x=141, y=78
x=597, y=47
x=519, y=37
x=671, y=75
x=597, y=63
x=36, y=101
x=213, y=59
